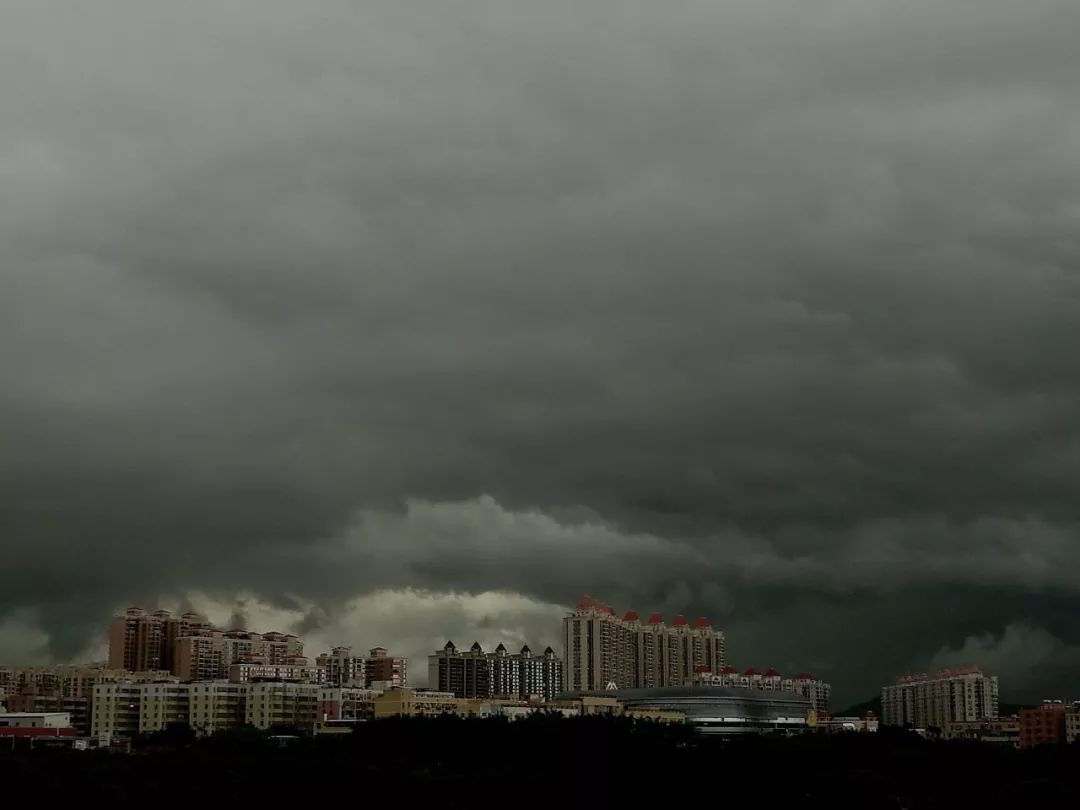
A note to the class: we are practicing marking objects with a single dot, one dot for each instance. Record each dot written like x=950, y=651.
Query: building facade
x=1072, y=722
x=1004, y=731
x=415, y=703
x=115, y=710
x=70, y=681
x=140, y=640
x=376, y=669
x=473, y=673
x=29, y=726
x=385, y=671
x=50, y=701
x=163, y=704
x=191, y=648
x=273, y=703
x=712, y=709
x=342, y=668
x=1043, y=725
x=246, y=671
x=216, y=706
x=934, y=701
x=602, y=650
x=346, y=703
x=817, y=691
x=209, y=656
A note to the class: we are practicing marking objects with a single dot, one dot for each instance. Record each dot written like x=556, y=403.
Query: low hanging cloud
x=1021, y=654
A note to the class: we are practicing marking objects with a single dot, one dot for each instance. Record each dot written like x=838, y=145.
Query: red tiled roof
x=680, y=621
x=703, y=622
x=631, y=616
x=587, y=601
x=656, y=618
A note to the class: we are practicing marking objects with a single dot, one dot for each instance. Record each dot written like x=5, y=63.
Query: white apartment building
x=216, y=706
x=163, y=703
x=948, y=696
x=282, y=704
x=116, y=710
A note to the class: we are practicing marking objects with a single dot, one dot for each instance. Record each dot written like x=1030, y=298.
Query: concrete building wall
x=282, y=704
x=1043, y=725
x=216, y=706
x=115, y=710
x=163, y=704
x=414, y=703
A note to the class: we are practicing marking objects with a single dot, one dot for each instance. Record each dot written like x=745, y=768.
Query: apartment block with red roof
x=602, y=650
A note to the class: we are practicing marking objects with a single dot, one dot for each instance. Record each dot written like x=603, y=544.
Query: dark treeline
x=551, y=762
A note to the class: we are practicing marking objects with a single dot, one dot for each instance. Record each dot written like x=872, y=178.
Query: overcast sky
x=394, y=322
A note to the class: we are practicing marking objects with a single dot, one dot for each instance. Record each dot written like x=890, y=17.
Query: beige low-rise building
x=416, y=703
x=346, y=703
x=1005, y=731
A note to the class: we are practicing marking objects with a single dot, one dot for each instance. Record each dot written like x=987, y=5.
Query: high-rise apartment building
x=601, y=650
x=385, y=671
x=209, y=657
x=139, y=640
x=948, y=696
x=341, y=667
x=190, y=647
x=473, y=673
x=376, y=669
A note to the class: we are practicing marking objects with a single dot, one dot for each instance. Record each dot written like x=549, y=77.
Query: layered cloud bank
x=763, y=311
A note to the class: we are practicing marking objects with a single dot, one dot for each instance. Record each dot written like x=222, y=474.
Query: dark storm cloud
x=762, y=310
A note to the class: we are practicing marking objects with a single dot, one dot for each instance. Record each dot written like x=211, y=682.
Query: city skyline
x=625, y=651
x=416, y=320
